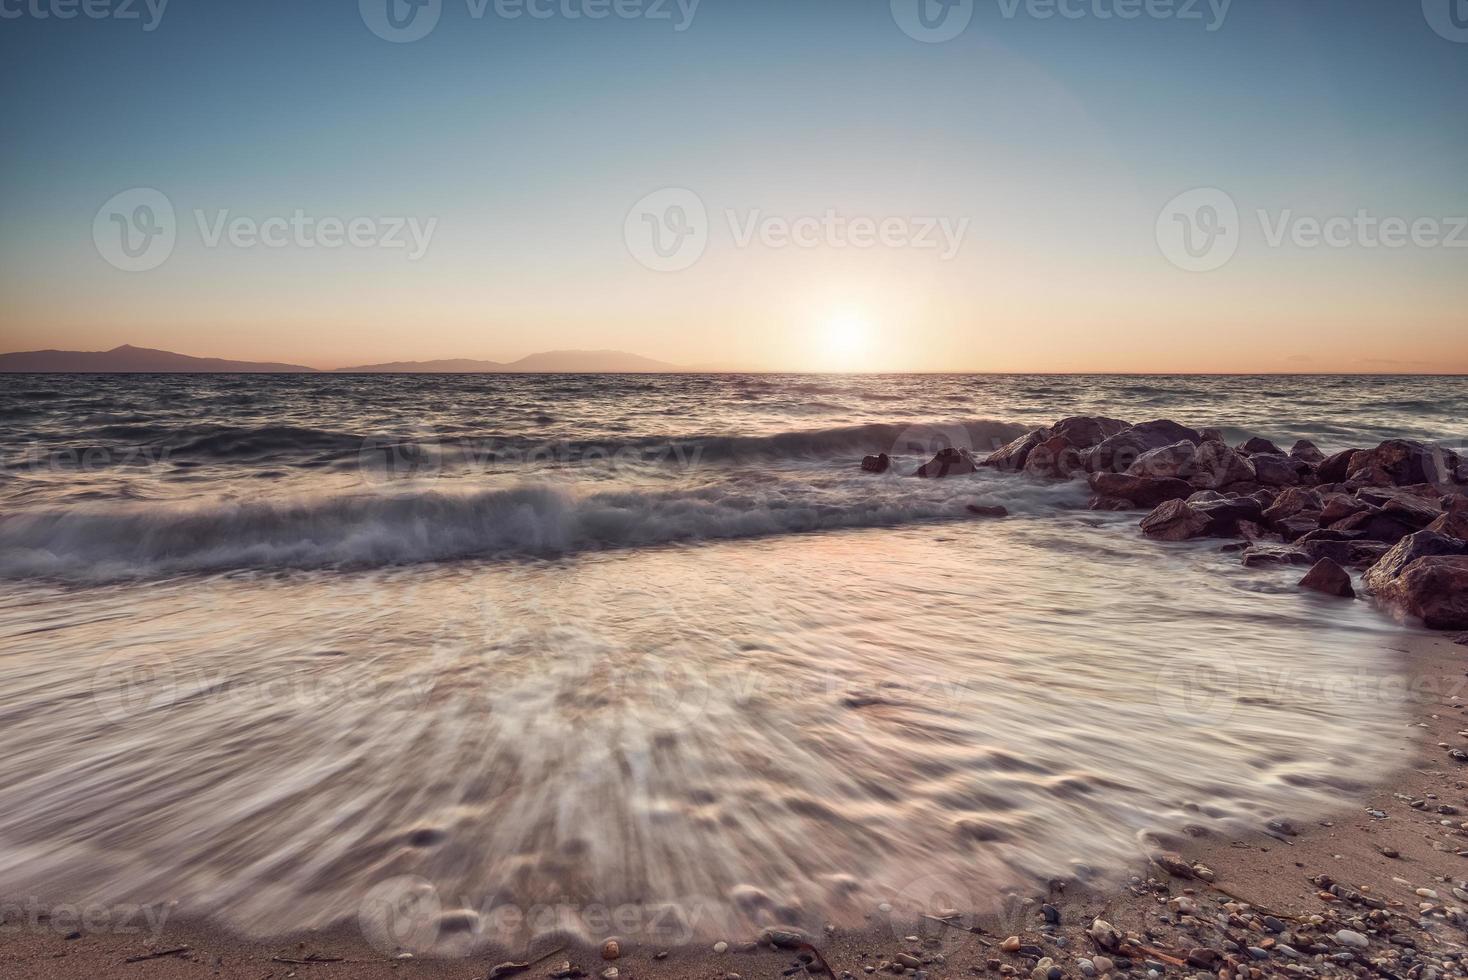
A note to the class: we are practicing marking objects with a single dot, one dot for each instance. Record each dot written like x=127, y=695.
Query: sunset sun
x=845, y=339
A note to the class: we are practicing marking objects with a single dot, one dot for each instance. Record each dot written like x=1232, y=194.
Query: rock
x=1339, y=506
x=1330, y=578
x=1454, y=523
x=1104, y=934
x=1204, y=958
x=1402, y=462
x=1263, y=556
x=1212, y=435
x=1103, y=964
x=1051, y=914
x=721, y=947
x=1140, y=490
x=1412, y=511
x=1354, y=554
x=784, y=937
x=1215, y=465
x=1334, y=468
x=1010, y=944
x=1258, y=445
x=1086, y=431
x=1423, y=544
x=1054, y=459
x=879, y=463
x=1173, y=864
x=1349, y=937
x=1277, y=469
x=1293, y=501
x=987, y=510
x=948, y=462
x=1116, y=454
x=1167, y=462
x=1294, y=528
x=1375, y=525
x=1174, y=520
x=611, y=949
x=908, y=960
x=610, y=973
x=1307, y=451
x=1433, y=589
x=1012, y=456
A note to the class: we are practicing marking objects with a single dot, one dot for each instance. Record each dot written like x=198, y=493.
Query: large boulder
x=1375, y=525
x=1334, y=468
x=1055, y=459
x=1330, y=578
x=1174, y=462
x=1434, y=589
x=879, y=463
x=1423, y=544
x=1307, y=451
x=1175, y=520
x=948, y=462
x=1355, y=554
x=1292, y=502
x=1258, y=445
x=1140, y=490
x=1267, y=556
x=1086, y=431
x=1400, y=462
x=1216, y=466
x=1116, y=454
x=1454, y=523
x=1012, y=456
x=1278, y=470
x=1339, y=506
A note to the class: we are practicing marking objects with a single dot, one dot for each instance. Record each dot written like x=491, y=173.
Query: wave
x=141, y=540
x=285, y=444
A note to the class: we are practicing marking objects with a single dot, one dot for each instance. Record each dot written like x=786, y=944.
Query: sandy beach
x=1388, y=841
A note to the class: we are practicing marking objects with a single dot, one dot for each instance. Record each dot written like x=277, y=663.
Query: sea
x=470, y=660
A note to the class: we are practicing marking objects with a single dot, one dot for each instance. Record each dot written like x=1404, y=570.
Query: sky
x=914, y=185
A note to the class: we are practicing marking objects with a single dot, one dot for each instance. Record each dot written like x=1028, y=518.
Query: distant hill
x=457, y=365
x=128, y=359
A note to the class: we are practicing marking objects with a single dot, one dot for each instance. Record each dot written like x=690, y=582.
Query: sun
x=846, y=338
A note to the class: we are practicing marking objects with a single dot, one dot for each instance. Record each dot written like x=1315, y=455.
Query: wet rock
x=1401, y=462
x=1376, y=526
x=879, y=463
x=1423, y=544
x=1054, y=459
x=1174, y=461
x=1453, y=523
x=1330, y=578
x=1012, y=456
x=1173, y=864
x=1410, y=510
x=1334, y=468
x=1215, y=465
x=1174, y=520
x=1293, y=501
x=984, y=510
x=1277, y=469
x=1433, y=589
x=1265, y=556
x=1118, y=452
x=1140, y=490
x=784, y=937
x=1086, y=431
x=1352, y=554
x=1307, y=451
x=948, y=462
x=1258, y=445
x=1339, y=506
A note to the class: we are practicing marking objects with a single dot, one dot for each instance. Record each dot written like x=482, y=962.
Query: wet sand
x=1388, y=857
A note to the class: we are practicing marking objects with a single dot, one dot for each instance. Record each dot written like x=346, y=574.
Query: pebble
x=908, y=960
x=721, y=947
x=611, y=949
x=1010, y=944
x=1103, y=964
x=610, y=973
x=1349, y=937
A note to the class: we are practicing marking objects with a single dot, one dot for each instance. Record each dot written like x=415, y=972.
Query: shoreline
x=1267, y=867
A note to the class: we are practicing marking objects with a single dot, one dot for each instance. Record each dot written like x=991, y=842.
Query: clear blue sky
x=529, y=139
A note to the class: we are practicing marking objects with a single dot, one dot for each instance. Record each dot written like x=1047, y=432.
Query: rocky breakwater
x=1397, y=513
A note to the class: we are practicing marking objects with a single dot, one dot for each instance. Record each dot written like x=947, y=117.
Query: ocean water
x=514, y=649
